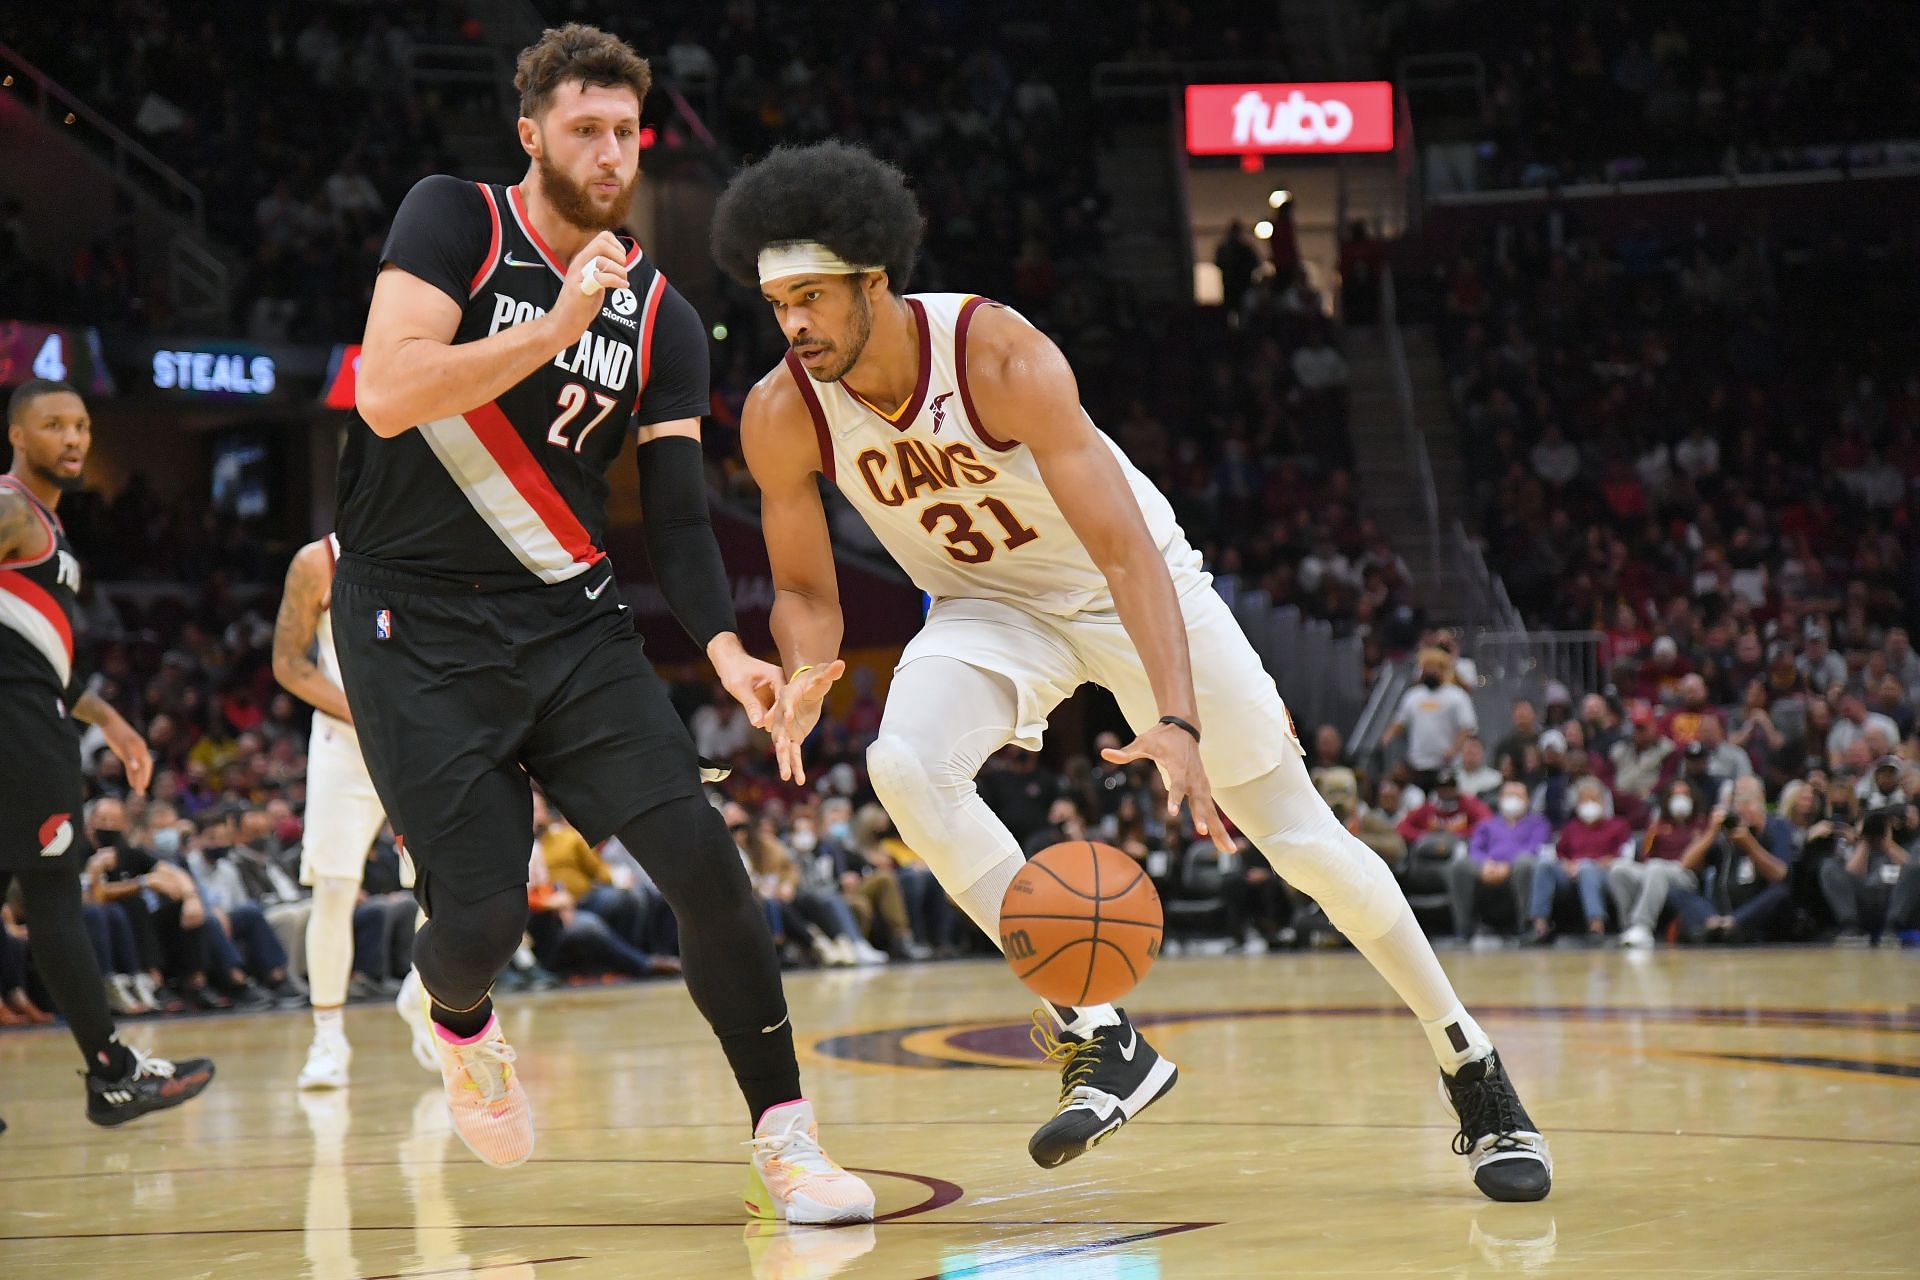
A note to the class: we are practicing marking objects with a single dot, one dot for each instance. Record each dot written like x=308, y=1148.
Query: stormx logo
x=383, y=624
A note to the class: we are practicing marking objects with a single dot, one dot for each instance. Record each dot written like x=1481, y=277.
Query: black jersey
x=36, y=608
x=513, y=493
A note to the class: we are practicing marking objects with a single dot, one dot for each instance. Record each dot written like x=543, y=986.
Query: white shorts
x=1247, y=731
x=344, y=814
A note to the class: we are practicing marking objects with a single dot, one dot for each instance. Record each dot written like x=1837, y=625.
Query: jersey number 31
x=966, y=543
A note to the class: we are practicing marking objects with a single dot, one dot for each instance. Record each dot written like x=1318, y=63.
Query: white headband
x=804, y=257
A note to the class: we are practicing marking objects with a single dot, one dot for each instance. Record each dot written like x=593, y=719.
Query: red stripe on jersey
x=47, y=522
x=493, y=243
x=35, y=597
x=655, y=292
x=814, y=409
x=517, y=463
x=960, y=325
x=533, y=233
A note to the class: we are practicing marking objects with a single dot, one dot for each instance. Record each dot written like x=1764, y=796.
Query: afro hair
x=843, y=196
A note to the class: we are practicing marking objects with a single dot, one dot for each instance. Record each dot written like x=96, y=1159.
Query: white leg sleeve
x=944, y=718
x=1286, y=819
x=330, y=940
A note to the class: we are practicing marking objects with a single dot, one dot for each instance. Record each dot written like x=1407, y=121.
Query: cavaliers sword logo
x=940, y=410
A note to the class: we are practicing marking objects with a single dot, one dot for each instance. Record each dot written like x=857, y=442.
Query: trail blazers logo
x=56, y=835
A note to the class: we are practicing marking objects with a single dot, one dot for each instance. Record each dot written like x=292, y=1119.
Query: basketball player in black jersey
x=514, y=338
x=41, y=845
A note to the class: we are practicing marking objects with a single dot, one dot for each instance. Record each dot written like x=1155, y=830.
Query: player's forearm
x=680, y=540
x=414, y=380
x=91, y=708
x=1143, y=596
x=806, y=628
x=303, y=678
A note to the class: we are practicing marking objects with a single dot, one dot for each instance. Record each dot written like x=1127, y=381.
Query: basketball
x=1080, y=924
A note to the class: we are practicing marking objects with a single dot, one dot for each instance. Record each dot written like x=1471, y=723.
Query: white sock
x=1456, y=1039
x=327, y=1023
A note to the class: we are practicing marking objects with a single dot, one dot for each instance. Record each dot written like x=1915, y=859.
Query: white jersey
x=962, y=510
x=326, y=727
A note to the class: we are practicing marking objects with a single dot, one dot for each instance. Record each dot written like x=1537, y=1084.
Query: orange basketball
x=1080, y=924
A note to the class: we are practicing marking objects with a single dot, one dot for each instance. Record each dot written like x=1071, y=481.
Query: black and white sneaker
x=1106, y=1079
x=153, y=1084
x=1505, y=1154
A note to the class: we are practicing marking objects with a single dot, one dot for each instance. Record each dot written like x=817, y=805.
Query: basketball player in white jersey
x=955, y=428
x=343, y=813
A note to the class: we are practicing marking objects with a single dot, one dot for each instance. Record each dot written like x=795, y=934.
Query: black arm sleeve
x=440, y=233
x=677, y=381
x=680, y=541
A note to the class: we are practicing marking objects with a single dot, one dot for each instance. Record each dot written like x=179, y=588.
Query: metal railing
x=1412, y=438
x=131, y=164
x=1320, y=675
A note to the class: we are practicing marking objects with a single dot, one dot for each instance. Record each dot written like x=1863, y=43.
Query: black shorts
x=460, y=696
x=40, y=787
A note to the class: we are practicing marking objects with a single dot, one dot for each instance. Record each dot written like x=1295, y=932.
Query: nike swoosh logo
x=1133, y=1042
x=593, y=593
x=512, y=261
x=767, y=1031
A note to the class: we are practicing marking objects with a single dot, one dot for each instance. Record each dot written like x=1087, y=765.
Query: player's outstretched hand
x=598, y=267
x=1178, y=755
x=124, y=742
x=795, y=714
x=754, y=684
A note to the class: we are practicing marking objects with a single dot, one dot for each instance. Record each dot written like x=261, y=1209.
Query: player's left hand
x=1178, y=755
x=754, y=684
x=133, y=753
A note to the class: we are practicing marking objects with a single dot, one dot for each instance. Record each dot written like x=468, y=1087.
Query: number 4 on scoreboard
x=51, y=363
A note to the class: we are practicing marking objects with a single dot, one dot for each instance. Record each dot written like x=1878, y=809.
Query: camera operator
x=1747, y=869
x=1876, y=886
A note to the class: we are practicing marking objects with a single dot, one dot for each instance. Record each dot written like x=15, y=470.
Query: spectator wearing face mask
x=1670, y=852
x=1435, y=715
x=1553, y=795
x=1498, y=863
x=1881, y=788
x=1587, y=847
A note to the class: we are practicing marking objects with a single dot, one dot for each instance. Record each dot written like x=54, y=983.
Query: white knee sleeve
x=1286, y=820
x=944, y=718
x=330, y=940
x=942, y=818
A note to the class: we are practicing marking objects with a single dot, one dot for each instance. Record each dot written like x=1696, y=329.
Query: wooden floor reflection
x=1712, y=1114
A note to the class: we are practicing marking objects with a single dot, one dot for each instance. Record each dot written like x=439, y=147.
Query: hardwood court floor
x=1712, y=1114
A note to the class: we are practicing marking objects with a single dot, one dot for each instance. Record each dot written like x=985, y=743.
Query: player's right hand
x=795, y=714
x=1177, y=754
x=603, y=261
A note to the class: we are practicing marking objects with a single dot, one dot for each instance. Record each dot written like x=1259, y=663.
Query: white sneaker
x=327, y=1063
x=123, y=998
x=411, y=1004
x=866, y=953
x=1638, y=937
x=793, y=1179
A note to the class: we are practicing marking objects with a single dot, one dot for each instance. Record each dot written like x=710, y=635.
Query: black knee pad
x=473, y=941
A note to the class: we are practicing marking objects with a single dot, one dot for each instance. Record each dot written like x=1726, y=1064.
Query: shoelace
x=796, y=1148
x=145, y=1068
x=1077, y=1058
x=488, y=1066
x=1489, y=1109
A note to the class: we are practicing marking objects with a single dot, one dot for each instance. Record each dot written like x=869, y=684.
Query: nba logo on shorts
x=383, y=624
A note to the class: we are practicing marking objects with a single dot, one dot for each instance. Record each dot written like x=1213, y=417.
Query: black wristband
x=1178, y=723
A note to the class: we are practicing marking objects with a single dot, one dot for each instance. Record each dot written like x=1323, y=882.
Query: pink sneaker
x=489, y=1108
x=793, y=1180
